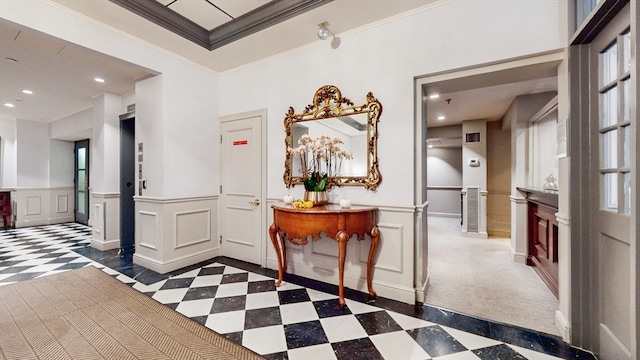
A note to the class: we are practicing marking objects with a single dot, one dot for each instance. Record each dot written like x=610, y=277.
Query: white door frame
x=262, y=113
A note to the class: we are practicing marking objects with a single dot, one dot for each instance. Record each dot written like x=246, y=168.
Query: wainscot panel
x=393, y=268
x=106, y=225
x=42, y=206
x=175, y=233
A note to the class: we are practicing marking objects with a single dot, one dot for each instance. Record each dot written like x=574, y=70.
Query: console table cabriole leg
x=273, y=233
x=342, y=237
x=375, y=237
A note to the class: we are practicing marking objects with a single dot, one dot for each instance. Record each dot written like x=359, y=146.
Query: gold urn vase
x=317, y=197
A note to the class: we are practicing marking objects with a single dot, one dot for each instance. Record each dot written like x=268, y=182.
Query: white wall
x=544, y=148
x=9, y=153
x=384, y=60
x=33, y=154
x=61, y=166
x=73, y=127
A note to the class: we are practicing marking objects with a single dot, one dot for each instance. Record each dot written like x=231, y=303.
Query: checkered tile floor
x=288, y=322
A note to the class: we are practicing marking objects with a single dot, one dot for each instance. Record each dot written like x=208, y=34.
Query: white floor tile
x=408, y=322
x=147, y=288
x=44, y=268
x=316, y=295
x=170, y=296
x=232, y=270
x=398, y=345
x=360, y=308
x=532, y=355
x=341, y=328
x=226, y=322
x=298, y=312
x=258, y=277
x=35, y=262
x=188, y=274
x=265, y=340
x=233, y=289
x=463, y=355
x=470, y=341
x=208, y=280
x=262, y=300
x=193, y=308
x=314, y=352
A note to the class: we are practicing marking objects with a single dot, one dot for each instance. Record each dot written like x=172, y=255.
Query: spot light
x=324, y=33
x=100, y=80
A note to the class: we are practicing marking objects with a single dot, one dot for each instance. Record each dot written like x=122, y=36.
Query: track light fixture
x=323, y=30
x=324, y=33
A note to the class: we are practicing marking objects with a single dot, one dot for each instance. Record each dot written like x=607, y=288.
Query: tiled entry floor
x=298, y=320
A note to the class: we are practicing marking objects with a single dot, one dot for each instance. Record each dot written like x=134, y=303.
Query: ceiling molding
x=258, y=19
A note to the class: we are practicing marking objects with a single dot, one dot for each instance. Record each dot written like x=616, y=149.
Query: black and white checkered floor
x=293, y=321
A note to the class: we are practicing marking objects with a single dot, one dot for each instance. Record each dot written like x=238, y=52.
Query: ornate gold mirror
x=334, y=139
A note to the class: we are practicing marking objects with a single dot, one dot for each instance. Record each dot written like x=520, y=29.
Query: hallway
x=478, y=277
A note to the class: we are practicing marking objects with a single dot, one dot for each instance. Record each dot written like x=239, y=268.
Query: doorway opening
x=81, y=181
x=127, y=182
x=475, y=272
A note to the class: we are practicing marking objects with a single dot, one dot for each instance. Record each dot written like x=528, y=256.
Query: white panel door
x=612, y=170
x=242, y=211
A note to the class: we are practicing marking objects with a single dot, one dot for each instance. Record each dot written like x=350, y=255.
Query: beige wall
x=498, y=180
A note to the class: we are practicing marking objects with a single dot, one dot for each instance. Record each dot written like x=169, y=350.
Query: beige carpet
x=87, y=314
x=479, y=277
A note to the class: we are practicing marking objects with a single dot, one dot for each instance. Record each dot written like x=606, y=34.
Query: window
x=614, y=125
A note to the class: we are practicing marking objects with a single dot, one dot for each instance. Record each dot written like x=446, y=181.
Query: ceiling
x=61, y=75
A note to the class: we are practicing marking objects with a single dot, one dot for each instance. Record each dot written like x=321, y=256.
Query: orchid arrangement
x=320, y=158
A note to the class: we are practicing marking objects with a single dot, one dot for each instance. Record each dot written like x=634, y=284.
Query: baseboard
x=28, y=223
x=562, y=324
x=105, y=245
x=165, y=267
x=444, y=215
x=61, y=220
x=389, y=291
x=421, y=292
x=520, y=258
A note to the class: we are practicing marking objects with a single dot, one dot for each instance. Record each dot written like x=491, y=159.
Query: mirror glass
x=336, y=117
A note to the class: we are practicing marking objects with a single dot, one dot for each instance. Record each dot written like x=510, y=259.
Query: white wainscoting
x=106, y=220
x=421, y=237
x=174, y=233
x=393, y=274
x=42, y=206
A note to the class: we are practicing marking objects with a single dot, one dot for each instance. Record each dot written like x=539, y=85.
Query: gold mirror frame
x=328, y=103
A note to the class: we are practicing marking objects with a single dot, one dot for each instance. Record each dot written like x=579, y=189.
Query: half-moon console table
x=338, y=223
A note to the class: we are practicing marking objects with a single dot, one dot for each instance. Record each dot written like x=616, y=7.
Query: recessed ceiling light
x=441, y=117
x=9, y=105
x=100, y=80
x=27, y=91
x=434, y=96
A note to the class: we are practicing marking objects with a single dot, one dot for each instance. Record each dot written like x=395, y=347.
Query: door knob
x=255, y=202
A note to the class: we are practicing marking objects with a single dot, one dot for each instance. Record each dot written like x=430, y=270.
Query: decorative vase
x=317, y=197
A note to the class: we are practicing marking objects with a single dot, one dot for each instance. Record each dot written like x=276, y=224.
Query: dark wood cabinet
x=542, y=235
x=5, y=208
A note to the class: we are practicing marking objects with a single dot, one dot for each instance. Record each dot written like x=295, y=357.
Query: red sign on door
x=240, y=142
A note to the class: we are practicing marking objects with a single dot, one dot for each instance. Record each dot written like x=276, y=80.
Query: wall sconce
x=324, y=33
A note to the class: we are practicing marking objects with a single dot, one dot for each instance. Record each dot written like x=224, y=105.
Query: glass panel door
x=81, y=181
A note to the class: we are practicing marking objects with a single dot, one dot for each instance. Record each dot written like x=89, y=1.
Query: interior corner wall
x=9, y=153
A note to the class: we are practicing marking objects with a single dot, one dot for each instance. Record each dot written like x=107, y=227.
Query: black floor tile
x=435, y=341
